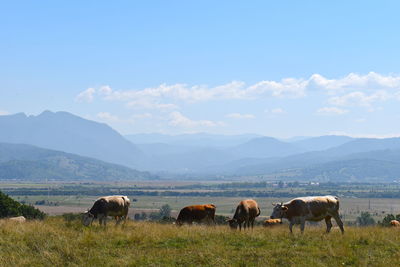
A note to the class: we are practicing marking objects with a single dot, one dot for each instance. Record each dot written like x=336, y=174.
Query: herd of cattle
x=296, y=211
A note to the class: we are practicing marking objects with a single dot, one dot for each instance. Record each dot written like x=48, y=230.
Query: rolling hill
x=26, y=162
x=66, y=132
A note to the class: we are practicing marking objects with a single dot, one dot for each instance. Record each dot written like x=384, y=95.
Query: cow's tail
x=259, y=211
x=337, y=202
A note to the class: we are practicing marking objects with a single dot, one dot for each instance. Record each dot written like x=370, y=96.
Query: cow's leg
x=328, y=223
x=240, y=226
x=247, y=222
x=291, y=223
x=302, y=224
x=339, y=222
x=117, y=219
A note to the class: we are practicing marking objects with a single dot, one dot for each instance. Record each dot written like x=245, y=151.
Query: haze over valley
x=60, y=145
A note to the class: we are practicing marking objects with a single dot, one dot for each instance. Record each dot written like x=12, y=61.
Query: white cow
x=19, y=219
x=115, y=206
x=302, y=209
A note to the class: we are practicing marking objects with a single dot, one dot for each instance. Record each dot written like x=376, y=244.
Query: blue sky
x=278, y=68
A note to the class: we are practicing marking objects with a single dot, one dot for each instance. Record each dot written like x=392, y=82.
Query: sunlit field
x=54, y=242
x=350, y=208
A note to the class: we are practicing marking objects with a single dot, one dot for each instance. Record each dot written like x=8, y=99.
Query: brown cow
x=300, y=210
x=272, y=222
x=246, y=212
x=395, y=223
x=196, y=213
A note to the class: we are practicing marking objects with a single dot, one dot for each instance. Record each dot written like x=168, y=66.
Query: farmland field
x=55, y=242
x=58, y=198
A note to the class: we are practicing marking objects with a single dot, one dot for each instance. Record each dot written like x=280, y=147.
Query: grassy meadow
x=55, y=242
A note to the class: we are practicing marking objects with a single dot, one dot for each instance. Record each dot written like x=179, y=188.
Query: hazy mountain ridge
x=66, y=132
x=26, y=162
x=206, y=155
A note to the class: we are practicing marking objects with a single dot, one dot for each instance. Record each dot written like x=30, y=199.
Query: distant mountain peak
x=67, y=132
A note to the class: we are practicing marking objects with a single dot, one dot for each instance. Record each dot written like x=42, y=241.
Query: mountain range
x=202, y=155
x=66, y=132
x=27, y=162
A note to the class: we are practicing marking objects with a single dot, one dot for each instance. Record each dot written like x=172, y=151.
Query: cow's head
x=87, y=218
x=233, y=223
x=178, y=223
x=279, y=211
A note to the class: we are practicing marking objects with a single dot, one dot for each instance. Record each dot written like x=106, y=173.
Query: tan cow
x=300, y=210
x=115, y=206
x=19, y=219
x=196, y=213
x=272, y=222
x=394, y=223
x=246, y=212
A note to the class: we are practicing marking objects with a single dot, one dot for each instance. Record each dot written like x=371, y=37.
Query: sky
x=276, y=68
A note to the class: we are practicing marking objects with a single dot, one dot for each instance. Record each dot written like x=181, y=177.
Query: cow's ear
x=284, y=208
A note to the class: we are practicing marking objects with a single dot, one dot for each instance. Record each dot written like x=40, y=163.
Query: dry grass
x=57, y=243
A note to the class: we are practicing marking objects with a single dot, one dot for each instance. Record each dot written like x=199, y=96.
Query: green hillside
x=26, y=162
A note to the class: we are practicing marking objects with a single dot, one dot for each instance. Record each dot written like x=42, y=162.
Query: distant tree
x=365, y=219
x=154, y=216
x=165, y=211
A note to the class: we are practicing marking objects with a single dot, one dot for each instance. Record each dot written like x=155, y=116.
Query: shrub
x=388, y=218
x=365, y=219
x=11, y=208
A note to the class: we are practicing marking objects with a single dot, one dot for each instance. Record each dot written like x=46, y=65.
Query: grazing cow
x=115, y=206
x=19, y=219
x=272, y=222
x=300, y=210
x=246, y=212
x=196, y=213
x=395, y=223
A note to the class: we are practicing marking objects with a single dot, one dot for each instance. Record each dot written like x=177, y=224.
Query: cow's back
x=196, y=213
x=313, y=207
x=247, y=208
x=111, y=205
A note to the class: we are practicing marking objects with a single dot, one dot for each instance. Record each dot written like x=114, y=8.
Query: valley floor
x=55, y=242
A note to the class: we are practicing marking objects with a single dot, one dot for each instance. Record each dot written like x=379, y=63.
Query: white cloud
x=86, y=96
x=240, y=116
x=106, y=116
x=370, y=81
x=3, y=113
x=359, y=99
x=288, y=87
x=142, y=116
x=149, y=104
x=275, y=111
x=105, y=90
x=332, y=111
x=178, y=119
